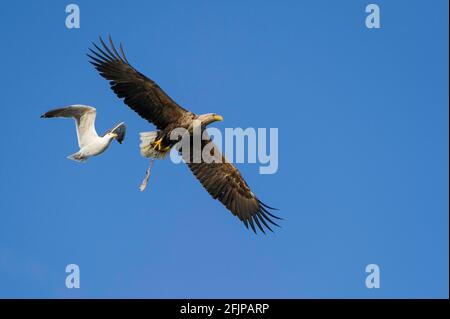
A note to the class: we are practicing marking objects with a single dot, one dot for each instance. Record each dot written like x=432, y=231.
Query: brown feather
x=224, y=182
x=140, y=93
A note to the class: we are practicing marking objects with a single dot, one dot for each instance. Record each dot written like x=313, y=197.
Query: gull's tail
x=77, y=157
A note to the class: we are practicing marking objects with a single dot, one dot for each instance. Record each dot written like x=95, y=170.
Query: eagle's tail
x=148, y=147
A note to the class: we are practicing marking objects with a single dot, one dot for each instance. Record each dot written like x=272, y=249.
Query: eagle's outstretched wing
x=224, y=182
x=139, y=92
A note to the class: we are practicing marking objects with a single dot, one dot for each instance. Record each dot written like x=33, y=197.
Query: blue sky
x=363, y=151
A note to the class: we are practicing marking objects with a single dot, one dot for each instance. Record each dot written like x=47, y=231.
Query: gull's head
x=111, y=135
x=209, y=118
x=118, y=132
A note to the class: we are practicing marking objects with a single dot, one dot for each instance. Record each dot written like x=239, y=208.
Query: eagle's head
x=209, y=118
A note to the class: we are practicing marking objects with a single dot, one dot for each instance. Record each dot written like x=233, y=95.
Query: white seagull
x=88, y=140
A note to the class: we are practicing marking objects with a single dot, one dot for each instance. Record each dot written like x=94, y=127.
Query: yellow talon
x=157, y=144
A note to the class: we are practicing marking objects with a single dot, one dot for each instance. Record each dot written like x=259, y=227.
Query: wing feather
x=84, y=116
x=225, y=183
x=139, y=92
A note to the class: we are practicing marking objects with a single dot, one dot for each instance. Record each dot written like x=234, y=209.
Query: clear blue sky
x=363, y=159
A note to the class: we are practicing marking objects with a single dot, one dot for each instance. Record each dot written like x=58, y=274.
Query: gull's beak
x=119, y=132
x=116, y=136
x=218, y=118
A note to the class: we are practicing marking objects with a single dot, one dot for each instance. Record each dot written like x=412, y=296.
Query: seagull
x=88, y=140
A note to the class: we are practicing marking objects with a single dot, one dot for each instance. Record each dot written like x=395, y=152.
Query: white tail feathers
x=147, y=150
x=77, y=157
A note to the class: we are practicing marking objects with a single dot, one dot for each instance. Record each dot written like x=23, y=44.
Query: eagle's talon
x=157, y=144
x=166, y=114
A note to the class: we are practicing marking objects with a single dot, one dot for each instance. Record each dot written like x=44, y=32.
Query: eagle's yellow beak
x=218, y=118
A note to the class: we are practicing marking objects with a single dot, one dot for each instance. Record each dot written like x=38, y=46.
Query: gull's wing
x=84, y=117
x=139, y=92
x=225, y=183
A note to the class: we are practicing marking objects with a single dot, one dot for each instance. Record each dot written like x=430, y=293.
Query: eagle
x=220, y=178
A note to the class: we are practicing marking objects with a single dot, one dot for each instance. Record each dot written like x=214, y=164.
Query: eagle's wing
x=140, y=93
x=85, y=121
x=224, y=182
